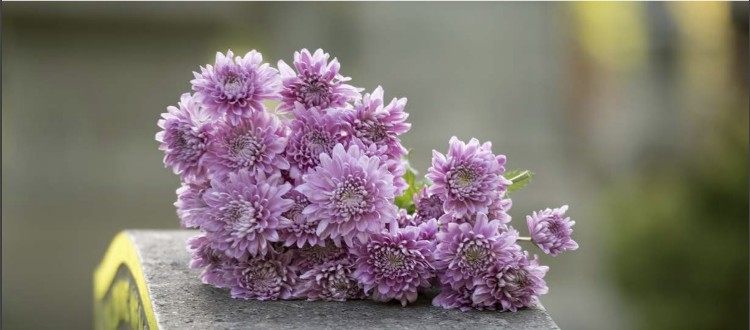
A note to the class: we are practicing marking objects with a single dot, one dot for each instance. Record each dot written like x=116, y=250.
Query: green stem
x=521, y=176
x=523, y=238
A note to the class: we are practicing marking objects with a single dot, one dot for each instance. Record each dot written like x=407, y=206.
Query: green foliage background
x=680, y=238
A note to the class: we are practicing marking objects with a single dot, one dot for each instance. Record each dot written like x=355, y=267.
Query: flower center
x=462, y=181
x=190, y=145
x=475, y=256
x=245, y=150
x=391, y=261
x=351, y=197
x=262, y=278
x=318, y=142
x=313, y=91
x=241, y=216
x=464, y=177
x=555, y=227
x=371, y=130
x=235, y=86
x=431, y=207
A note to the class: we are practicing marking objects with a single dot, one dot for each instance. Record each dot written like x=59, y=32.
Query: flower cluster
x=315, y=199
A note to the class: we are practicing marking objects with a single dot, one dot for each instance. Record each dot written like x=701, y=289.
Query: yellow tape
x=122, y=252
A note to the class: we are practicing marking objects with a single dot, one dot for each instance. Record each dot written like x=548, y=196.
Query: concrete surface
x=181, y=301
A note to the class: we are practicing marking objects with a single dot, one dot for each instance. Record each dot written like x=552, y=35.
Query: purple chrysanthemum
x=378, y=126
x=246, y=212
x=191, y=208
x=301, y=231
x=551, y=230
x=269, y=277
x=351, y=194
x=468, y=178
x=236, y=86
x=312, y=134
x=317, y=82
x=511, y=286
x=184, y=137
x=330, y=281
x=213, y=262
x=428, y=206
x=460, y=298
x=394, y=264
x=254, y=142
x=464, y=252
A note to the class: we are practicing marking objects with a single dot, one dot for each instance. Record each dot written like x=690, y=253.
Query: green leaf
x=520, y=178
x=406, y=200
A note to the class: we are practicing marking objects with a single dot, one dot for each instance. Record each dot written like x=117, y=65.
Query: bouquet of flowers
x=316, y=200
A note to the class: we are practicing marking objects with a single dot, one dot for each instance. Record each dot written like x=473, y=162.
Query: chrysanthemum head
x=313, y=133
x=268, y=277
x=191, y=208
x=186, y=131
x=428, y=206
x=330, y=281
x=213, y=262
x=254, y=142
x=350, y=193
x=464, y=252
x=468, y=178
x=394, y=264
x=316, y=82
x=246, y=212
x=379, y=125
x=511, y=286
x=551, y=230
x=236, y=86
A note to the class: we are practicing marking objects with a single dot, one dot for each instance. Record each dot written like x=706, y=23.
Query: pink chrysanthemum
x=301, y=231
x=317, y=83
x=464, y=252
x=379, y=126
x=394, y=264
x=510, y=286
x=191, y=208
x=351, y=194
x=551, y=230
x=257, y=141
x=184, y=137
x=330, y=281
x=313, y=133
x=213, y=262
x=468, y=178
x=269, y=277
x=246, y=212
x=428, y=206
x=236, y=86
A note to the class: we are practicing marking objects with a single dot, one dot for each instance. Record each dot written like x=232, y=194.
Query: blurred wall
x=84, y=84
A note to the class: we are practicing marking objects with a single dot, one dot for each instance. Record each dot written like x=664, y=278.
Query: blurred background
x=635, y=114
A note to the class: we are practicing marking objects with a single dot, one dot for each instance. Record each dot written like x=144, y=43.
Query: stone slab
x=180, y=301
